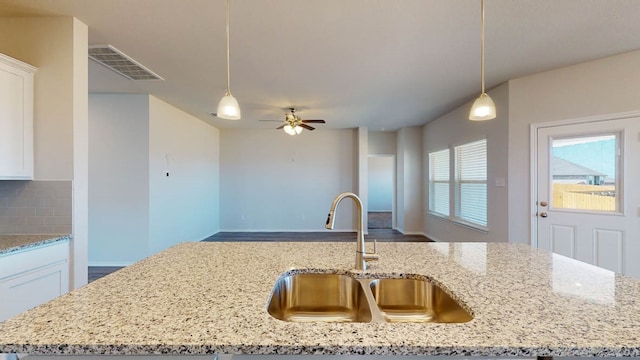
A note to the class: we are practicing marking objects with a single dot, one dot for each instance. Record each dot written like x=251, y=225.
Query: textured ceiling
x=376, y=63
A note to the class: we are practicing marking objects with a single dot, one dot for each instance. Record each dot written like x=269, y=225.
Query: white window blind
x=470, y=185
x=439, y=182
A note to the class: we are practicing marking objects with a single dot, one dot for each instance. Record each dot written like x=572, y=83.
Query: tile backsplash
x=35, y=207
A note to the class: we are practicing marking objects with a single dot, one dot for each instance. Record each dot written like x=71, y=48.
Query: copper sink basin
x=323, y=297
x=414, y=300
x=319, y=297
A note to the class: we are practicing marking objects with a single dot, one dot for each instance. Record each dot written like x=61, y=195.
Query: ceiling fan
x=293, y=124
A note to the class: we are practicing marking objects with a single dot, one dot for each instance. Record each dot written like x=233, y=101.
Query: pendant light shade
x=483, y=108
x=228, y=107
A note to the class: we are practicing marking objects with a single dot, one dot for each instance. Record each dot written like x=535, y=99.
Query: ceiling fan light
x=298, y=129
x=228, y=108
x=483, y=108
x=289, y=130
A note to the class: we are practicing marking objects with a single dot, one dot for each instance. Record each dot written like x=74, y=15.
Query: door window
x=585, y=173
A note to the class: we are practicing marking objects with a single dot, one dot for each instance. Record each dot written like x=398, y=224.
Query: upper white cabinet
x=16, y=119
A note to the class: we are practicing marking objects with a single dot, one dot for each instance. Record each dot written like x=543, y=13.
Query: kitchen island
x=205, y=298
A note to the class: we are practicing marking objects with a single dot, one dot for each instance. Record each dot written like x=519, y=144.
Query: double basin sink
x=306, y=297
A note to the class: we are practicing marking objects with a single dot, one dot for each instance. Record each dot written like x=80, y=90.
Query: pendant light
x=228, y=107
x=483, y=108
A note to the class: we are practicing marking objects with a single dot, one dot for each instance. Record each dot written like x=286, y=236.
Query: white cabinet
x=16, y=119
x=32, y=277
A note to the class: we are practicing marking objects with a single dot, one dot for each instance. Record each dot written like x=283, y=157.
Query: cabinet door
x=31, y=277
x=28, y=290
x=16, y=119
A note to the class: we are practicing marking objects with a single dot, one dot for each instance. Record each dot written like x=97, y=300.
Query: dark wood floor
x=383, y=235
x=377, y=234
x=96, y=272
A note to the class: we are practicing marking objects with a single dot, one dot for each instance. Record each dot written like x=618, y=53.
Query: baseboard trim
x=433, y=238
x=284, y=230
x=401, y=231
x=110, y=263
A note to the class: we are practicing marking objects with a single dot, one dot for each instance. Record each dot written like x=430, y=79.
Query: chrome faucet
x=361, y=254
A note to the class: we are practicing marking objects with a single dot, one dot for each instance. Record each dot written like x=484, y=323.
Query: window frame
x=431, y=184
x=457, y=187
x=454, y=188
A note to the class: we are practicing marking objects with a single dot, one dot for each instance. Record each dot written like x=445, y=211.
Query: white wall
x=119, y=178
x=272, y=181
x=454, y=129
x=80, y=241
x=409, y=180
x=362, y=161
x=184, y=206
x=134, y=206
x=605, y=86
x=381, y=174
x=382, y=142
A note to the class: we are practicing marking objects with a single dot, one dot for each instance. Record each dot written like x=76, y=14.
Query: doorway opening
x=381, y=198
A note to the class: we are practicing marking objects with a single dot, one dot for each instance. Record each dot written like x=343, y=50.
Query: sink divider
x=377, y=315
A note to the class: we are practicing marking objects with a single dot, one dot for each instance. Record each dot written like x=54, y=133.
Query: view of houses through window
x=584, y=172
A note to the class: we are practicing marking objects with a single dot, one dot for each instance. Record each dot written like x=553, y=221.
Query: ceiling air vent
x=117, y=61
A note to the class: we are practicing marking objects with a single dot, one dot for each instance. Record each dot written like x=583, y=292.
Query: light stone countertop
x=13, y=243
x=204, y=298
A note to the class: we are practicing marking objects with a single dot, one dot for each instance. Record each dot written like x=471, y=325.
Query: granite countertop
x=203, y=298
x=13, y=243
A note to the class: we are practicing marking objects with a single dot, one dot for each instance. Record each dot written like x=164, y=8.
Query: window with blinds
x=470, y=185
x=439, y=182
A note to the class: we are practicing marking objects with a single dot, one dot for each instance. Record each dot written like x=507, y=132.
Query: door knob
x=543, y=203
x=543, y=214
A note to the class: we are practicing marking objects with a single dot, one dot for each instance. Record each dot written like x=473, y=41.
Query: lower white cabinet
x=32, y=277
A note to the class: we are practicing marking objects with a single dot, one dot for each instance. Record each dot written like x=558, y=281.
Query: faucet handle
x=374, y=255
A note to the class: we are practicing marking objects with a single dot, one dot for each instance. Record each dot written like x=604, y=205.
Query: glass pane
x=440, y=198
x=439, y=163
x=471, y=182
x=583, y=173
x=471, y=161
x=439, y=182
x=473, y=203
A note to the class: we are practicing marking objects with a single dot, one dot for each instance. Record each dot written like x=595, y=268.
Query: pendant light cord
x=481, y=46
x=228, y=62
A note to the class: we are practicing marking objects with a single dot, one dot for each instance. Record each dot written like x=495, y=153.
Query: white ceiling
x=376, y=63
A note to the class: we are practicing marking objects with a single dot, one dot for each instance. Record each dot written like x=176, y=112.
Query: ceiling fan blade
x=281, y=126
x=314, y=121
x=307, y=127
x=272, y=120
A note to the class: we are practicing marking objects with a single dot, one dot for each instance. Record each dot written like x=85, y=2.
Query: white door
x=588, y=193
